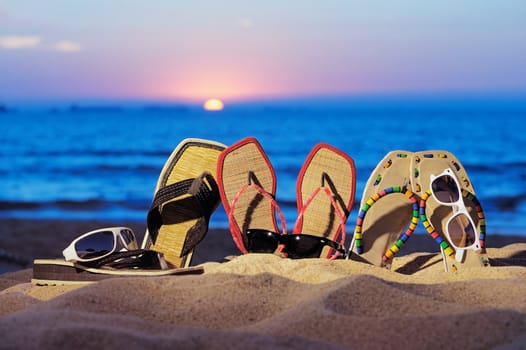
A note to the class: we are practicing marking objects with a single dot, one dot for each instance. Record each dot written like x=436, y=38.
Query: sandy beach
x=378, y=123
x=260, y=301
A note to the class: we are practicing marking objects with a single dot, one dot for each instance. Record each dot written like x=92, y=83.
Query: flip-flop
x=61, y=272
x=434, y=215
x=325, y=191
x=247, y=185
x=185, y=197
x=388, y=212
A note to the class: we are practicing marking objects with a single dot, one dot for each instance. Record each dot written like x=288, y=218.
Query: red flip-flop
x=325, y=191
x=247, y=186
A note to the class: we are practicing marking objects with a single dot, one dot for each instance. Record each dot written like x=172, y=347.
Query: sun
x=213, y=104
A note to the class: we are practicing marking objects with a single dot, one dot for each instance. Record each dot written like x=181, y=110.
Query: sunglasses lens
x=302, y=246
x=461, y=231
x=445, y=189
x=128, y=238
x=262, y=241
x=95, y=245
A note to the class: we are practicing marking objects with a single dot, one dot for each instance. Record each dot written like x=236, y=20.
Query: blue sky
x=239, y=50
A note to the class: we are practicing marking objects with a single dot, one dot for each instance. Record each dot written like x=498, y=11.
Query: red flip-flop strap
x=234, y=227
x=337, y=209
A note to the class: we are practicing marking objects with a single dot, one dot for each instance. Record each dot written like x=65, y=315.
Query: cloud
x=67, y=46
x=19, y=42
x=32, y=41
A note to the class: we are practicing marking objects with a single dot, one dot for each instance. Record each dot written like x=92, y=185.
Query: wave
x=92, y=152
x=493, y=203
x=505, y=203
x=495, y=167
x=88, y=173
x=67, y=204
x=75, y=108
x=71, y=163
x=166, y=108
x=504, y=214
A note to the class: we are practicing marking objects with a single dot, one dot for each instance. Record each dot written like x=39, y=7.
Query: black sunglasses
x=295, y=246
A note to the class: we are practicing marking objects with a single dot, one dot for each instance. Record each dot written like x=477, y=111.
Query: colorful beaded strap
x=480, y=214
x=389, y=254
x=450, y=251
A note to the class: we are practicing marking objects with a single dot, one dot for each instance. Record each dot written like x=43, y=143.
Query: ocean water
x=101, y=161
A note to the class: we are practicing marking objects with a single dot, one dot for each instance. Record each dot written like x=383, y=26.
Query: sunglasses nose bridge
x=282, y=250
x=456, y=208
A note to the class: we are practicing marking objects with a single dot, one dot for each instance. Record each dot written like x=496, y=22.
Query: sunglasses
x=295, y=246
x=100, y=243
x=460, y=228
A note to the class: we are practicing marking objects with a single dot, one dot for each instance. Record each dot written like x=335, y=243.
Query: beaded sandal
x=388, y=212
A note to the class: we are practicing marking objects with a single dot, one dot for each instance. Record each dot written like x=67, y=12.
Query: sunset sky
x=245, y=50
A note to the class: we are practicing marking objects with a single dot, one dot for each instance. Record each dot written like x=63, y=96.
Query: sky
x=249, y=50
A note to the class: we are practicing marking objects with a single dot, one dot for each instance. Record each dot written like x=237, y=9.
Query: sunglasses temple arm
x=459, y=254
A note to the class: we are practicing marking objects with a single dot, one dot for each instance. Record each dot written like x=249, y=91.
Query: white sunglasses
x=100, y=243
x=460, y=228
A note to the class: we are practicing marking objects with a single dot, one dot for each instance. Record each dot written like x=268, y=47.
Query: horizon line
x=310, y=99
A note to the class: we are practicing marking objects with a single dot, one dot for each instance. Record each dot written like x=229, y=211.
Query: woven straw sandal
x=325, y=191
x=185, y=197
x=247, y=185
x=434, y=216
x=388, y=212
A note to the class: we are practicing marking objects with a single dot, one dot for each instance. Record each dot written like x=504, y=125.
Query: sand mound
x=262, y=301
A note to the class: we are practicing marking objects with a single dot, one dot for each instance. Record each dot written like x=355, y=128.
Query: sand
x=261, y=301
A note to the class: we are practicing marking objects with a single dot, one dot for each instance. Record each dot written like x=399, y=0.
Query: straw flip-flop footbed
x=329, y=167
x=241, y=163
x=386, y=209
x=189, y=160
x=434, y=162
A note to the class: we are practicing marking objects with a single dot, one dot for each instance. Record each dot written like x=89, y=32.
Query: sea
x=101, y=160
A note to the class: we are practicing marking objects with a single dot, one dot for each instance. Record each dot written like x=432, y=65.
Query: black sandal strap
x=203, y=199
